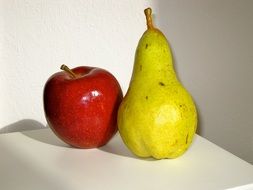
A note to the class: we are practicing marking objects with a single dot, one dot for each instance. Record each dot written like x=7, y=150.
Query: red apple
x=81, y=105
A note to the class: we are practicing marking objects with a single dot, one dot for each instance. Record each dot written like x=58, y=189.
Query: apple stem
x=68, y=70
x=148, y=14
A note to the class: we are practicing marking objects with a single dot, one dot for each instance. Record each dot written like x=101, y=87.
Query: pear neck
x=158, y=72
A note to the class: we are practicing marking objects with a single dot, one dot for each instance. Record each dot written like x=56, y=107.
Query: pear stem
x=68, y=70
x=148, y=14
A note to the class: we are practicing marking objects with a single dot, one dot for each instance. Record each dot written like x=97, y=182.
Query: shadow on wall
x=165, y=12
x=22, y=125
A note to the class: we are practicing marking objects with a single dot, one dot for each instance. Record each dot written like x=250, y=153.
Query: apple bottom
x=83, y=136
x=87, y=125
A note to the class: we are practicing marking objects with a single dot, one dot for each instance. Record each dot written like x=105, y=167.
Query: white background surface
x=39, y=160
x=211, y=41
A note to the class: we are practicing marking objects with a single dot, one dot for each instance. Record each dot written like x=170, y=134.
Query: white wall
x=37, y=36
x=211, y=41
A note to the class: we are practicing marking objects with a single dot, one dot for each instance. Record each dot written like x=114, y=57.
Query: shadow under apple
x=29, y=128
x=22, y=125
x=47, y=136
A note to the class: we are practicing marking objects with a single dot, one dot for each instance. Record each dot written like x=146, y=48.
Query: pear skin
x=157, y=117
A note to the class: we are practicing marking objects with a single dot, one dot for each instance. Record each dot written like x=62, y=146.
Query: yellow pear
x=157, y=117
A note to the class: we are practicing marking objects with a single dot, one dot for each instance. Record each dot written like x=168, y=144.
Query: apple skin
x=82, y=111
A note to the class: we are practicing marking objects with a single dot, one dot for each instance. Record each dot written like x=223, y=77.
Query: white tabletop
x=34, y=160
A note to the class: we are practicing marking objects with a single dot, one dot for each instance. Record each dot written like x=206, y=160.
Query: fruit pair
x=157, y=117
